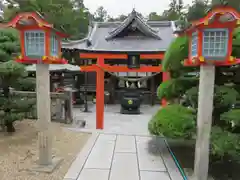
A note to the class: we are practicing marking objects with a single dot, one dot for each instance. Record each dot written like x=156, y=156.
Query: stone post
x=45, y=161
x=69, y=106
x=44, y=114
x=204, y=121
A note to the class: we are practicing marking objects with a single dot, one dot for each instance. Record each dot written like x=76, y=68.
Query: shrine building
x=115, y=43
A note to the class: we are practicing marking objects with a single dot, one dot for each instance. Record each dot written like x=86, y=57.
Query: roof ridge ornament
x=134, y=11
x=140, y=24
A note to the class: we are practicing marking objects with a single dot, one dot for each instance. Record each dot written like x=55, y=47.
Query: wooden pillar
x=165, y=77
x=100, y=95
x=204, y=121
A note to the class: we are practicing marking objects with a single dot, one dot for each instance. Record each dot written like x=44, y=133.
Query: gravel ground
x=18, y=152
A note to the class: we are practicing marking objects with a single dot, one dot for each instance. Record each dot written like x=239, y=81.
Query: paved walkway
x=117, y=123
x=123, y=151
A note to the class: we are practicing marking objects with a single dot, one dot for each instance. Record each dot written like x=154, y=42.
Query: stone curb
x=77, y=165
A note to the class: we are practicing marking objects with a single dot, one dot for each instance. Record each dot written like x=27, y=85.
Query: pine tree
x=12, y=108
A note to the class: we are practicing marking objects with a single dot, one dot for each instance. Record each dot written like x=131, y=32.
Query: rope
x=129, y=79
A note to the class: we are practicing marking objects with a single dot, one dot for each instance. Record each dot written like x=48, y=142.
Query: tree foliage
x=231, y=118
x=100, y=15
x=225, y=134
x=74, y=15
x=11, y=108
x=173, y=121
x=175, y=54
x=224, y=143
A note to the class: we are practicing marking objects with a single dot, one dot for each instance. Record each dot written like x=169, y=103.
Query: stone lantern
x=210, y=45
x=211, y=38
x=41, y=45
x=40, y=41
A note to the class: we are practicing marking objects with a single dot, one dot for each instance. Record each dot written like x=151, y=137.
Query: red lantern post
x=210, y=45
x=40, y=45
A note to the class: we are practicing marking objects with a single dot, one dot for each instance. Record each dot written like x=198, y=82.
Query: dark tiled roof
x=102, y=37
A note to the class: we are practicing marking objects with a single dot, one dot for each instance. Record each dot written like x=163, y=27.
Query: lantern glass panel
x=34, y=43
x=215, y=43
x=194, y=45
x=54, y=45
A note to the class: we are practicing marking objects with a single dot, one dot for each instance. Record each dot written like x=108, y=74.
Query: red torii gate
x=99, y=68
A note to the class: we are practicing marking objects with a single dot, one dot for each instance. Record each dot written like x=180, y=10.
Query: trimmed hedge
x=232, y=117
x=224, y=143
x=173, y=121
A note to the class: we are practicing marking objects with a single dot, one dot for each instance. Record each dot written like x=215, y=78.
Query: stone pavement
x=124, y=150
x=117, y=123
x=123, y=157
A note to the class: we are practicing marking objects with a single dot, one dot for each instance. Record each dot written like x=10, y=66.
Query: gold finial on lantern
x=201, y=59
x=231, y=59
x=44, y=57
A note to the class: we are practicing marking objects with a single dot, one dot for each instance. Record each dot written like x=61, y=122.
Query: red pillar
x=165, y=77
x=100, y=95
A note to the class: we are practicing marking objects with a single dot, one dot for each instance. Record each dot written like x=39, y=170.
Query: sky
x=118, y=7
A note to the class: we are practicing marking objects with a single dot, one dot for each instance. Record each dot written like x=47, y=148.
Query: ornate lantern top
x=40, y=41
x=211, y=38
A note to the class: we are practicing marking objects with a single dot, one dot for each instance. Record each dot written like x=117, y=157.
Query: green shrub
x=224, y=97
x=25, y=84
x=173, y=121
x=192, y=97
x=232, y=117
x=174, y=88
x=170, y=89
x=224, y=143
x=175, y=54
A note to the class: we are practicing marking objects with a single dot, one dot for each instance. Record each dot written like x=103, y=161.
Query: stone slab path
x=117, y=123
x=123, y=157
x=124, y=150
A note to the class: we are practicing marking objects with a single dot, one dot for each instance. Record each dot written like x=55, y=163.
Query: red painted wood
x=215, y=12
x=159, y=56
x=188, y=63
x=109, y=68
x=100, y=96
x=190, y=46
x=100, y=67
x=38, y=24
x=200, y=26
x=47, y=61
x=59, y=46
x=230, y=40
x=47, y=43
x=36, y=27
x=26, y=15
x=103, y=56
x=200, y=42
x=126, y=69
x=22, y=43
